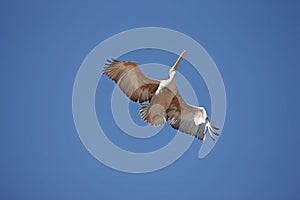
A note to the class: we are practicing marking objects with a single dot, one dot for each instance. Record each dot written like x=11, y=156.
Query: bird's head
x=172, y=71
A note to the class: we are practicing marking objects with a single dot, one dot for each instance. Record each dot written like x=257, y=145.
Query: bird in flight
x=165, y=102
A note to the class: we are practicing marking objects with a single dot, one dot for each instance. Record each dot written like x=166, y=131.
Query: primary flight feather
x=165, y=101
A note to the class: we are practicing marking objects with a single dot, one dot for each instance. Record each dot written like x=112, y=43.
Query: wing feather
x=186, y=118
x=131, y=80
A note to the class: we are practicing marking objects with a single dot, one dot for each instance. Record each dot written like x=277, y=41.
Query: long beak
x=174, y=68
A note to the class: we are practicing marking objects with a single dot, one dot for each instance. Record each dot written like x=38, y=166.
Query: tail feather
x=153, y=119
x=157, y=120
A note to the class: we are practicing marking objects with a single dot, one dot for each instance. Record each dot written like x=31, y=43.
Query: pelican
x=165, y=102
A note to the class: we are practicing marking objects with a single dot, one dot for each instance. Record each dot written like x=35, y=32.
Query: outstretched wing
x=131, y=80
x=189, y=119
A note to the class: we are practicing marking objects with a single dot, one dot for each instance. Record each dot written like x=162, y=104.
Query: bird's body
x=166, y=103
x=155, y=112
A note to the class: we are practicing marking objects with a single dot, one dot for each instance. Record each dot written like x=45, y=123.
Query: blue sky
x=255, y=45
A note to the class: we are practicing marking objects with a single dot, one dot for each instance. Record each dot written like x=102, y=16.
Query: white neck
x=172, y=75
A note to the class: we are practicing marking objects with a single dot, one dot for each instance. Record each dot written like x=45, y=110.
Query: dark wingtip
x=108, y=61
x=214, y=127
x=111, y=61
x=114, y=60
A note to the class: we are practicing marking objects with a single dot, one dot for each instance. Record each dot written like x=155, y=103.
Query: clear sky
x=255, y=45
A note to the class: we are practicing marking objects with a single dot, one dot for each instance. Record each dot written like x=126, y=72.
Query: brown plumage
x=165, y=101
x=134, y=83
